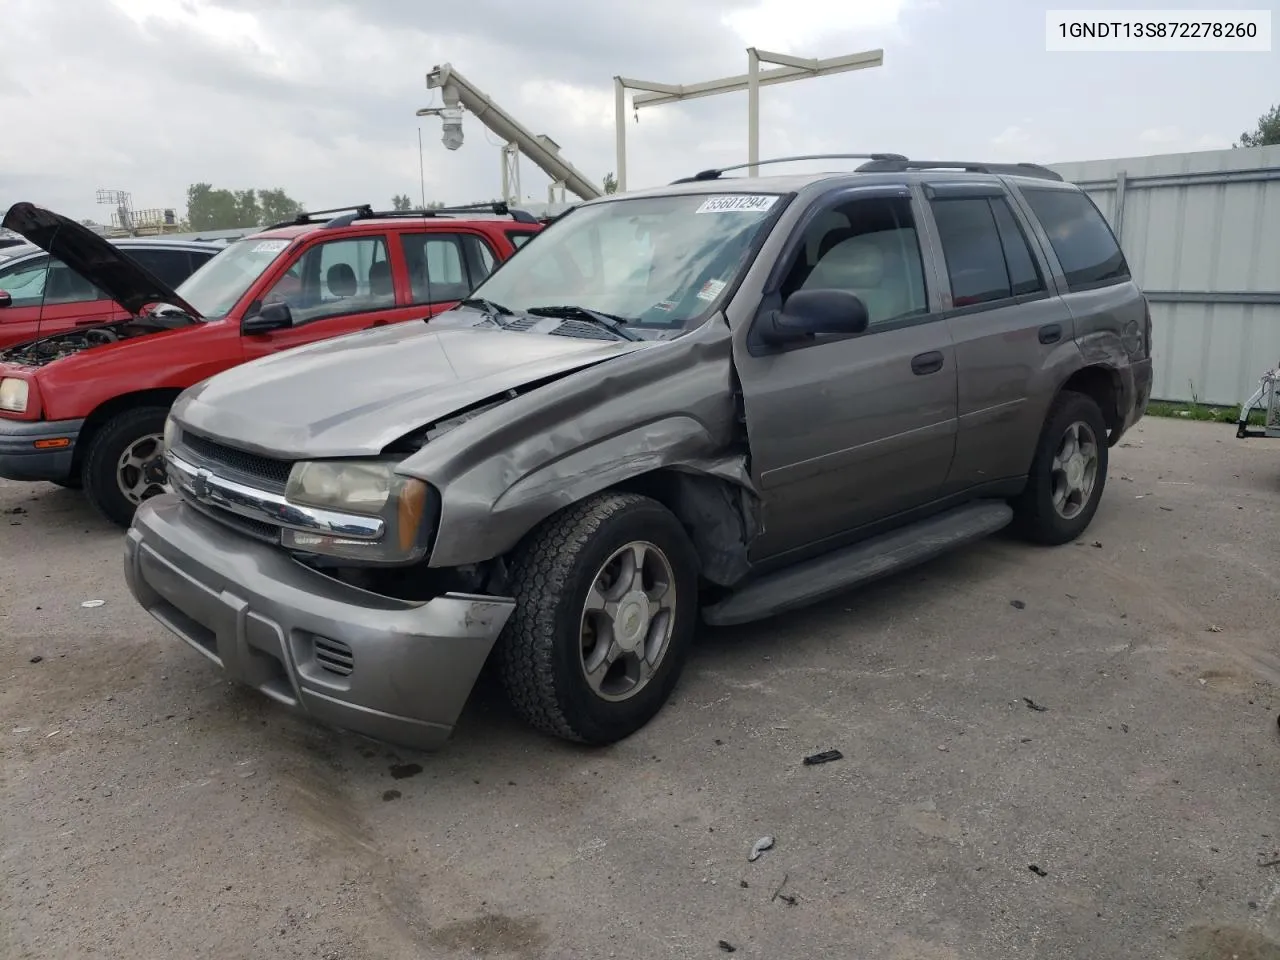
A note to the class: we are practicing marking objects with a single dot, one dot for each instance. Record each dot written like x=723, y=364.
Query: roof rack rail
x=311, y=216
x=899, y=165
x=364, y=211
x=714, y=174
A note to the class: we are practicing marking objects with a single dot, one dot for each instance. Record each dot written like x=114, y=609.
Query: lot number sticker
x=711, y=289
x=270, y=246
x=737, y=203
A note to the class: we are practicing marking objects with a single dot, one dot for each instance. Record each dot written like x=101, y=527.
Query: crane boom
x=458, y=92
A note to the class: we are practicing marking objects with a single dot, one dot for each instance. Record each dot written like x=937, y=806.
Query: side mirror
x=272, y=316
x=6, y=300
x=810, y=312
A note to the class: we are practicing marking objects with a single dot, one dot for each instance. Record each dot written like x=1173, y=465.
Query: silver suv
x=726, y=396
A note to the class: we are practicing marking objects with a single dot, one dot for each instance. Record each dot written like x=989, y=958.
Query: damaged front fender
x=665, y=416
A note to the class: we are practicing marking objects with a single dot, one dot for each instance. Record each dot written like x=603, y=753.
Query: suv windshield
x=653, y=261
x=214, y=289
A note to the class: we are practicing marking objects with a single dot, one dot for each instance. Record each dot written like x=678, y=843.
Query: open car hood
x=104, y=265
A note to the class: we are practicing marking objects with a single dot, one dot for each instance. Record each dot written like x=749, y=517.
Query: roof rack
x=364, y=211
x=891, y=163
x=898, y=165
x=714, y=174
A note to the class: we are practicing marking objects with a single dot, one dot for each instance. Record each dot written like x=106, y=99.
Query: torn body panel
x=667, y=407
x=1113, y=334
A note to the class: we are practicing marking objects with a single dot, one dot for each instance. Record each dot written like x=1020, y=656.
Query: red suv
x=86, y=408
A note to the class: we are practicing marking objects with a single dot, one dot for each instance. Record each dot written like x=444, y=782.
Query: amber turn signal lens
x=410, y=506
x=57, y=443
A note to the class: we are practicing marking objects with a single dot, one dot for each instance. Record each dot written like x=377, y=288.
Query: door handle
x=926, y=363
x=1051, y=333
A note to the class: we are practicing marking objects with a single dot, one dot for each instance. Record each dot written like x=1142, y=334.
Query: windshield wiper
x=574, y=312
x=486, y=306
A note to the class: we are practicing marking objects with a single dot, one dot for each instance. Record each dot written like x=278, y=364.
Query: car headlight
x=170, y=432
x=369, y=488
x=14, y=394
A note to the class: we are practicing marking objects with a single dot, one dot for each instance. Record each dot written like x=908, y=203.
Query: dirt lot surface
x=150, y=810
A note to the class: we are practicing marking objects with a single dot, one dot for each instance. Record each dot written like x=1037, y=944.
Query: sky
x=319, y=96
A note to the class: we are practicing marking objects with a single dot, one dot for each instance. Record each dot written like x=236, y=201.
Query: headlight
x=170, y=432
x=369, y=488
x=14, y=394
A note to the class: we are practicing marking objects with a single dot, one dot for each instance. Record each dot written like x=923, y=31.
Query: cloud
x=786, y=25
x=1018, y=143
x=318, y=96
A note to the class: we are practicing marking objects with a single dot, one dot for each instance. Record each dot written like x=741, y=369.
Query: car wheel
x=125, y=463
x=1068, y=473
x=606, y=596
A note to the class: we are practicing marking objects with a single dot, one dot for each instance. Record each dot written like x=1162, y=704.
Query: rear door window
x=1080, y=236
x=438, y=268
x=972, y=248
x=171, y=266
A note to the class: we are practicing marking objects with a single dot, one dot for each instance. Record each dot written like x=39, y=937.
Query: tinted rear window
x=1080, y=236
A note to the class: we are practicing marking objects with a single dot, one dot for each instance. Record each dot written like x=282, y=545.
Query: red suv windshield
x=217, y=286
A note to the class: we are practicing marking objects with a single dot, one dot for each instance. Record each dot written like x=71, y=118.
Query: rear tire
x=125, y=464
x=606, y=607
x=1068, y=473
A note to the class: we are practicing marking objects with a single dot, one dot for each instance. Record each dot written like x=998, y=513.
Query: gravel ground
x=150, y=810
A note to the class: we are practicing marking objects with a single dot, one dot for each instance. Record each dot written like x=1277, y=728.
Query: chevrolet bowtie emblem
x=200, y=484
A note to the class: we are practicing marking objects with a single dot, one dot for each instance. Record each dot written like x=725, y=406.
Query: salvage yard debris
x=1032, y=705
x=826, y=756
x=759, y=847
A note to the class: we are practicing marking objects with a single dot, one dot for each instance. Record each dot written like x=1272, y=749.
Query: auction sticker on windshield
x=737, y=203
x=270, y=246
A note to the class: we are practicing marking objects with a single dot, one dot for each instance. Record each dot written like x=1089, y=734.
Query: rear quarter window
x=1080, y=236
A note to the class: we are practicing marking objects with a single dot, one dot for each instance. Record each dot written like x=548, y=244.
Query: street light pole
x=790, y=68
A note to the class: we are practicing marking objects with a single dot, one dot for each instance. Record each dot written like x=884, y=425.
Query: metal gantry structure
x=788, y=68
x=460, y=94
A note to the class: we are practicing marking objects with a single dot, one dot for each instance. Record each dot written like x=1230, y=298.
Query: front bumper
x=21, y=459
x=395, y=670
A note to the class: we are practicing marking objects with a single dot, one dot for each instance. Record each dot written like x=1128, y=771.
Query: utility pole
x=789, y=68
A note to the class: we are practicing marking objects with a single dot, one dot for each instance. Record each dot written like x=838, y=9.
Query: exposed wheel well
x=162, y=397
x=719, y=515
x=1103, y=386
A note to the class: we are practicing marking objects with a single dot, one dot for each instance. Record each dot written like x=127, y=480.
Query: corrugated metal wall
x=1201, y=232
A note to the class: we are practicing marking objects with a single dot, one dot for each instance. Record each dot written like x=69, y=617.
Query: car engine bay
x=39, y=353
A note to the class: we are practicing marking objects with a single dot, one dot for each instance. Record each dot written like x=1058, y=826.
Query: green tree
x=247, y=209
x=277, y=206
x=610, y=183
x=218, y=209
x=401, y=202
x=210, y=209
x=1268, y=131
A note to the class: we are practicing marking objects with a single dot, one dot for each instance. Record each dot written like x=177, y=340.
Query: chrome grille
x=266, y=472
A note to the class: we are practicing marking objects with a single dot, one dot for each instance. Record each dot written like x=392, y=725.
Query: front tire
x=606, y=597
x=1068, y=473
x=125, y=463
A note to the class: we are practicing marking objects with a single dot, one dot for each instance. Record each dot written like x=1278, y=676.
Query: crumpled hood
x=351, y=396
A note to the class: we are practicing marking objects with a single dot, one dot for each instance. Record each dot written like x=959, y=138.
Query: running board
x=861, y=563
